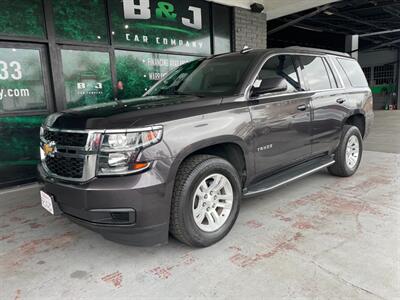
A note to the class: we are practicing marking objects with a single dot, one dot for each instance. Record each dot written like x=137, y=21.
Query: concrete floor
x=385, y=137
x=321, y=238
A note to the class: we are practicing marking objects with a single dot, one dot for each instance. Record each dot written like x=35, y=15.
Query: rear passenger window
x=315, y=73
x=353, y=72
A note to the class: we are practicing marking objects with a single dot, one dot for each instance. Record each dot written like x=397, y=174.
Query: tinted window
x=21, y=80
x=80, y=20
x=315, y=73
x=281, y=67
x=353, y=72
x=87, y=77
x=19, y=153
x=222, y=28
x=221, y=75
x=22, y=18
x=149, y=68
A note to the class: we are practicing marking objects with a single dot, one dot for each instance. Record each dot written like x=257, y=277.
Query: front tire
x=206, y=200
x=348, y=154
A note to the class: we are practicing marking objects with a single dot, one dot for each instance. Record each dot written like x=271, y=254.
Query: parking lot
x=321, y=236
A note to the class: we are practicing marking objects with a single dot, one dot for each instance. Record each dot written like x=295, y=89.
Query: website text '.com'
x=4, y=93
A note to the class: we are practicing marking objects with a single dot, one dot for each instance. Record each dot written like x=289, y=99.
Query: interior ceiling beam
x=344, y=30
x=393, y=12
x=365, y=9
x=384, y=45
x=360, y=21
x=379, y=32
x=299, y=19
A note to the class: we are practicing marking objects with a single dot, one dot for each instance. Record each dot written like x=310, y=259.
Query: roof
x=317, y=51
x=295, y=49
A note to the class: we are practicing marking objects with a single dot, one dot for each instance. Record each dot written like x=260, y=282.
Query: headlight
x=119, y=150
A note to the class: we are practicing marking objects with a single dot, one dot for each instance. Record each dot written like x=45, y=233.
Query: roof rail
x=317, y=50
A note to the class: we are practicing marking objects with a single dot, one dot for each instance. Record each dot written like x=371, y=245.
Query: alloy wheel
x=212, y=202
x=352, y=152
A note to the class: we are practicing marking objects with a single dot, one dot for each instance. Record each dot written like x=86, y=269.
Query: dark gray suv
x=180, y=159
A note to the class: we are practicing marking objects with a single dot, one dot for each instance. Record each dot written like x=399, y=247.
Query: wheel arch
x=236, y=147
x=357, y=118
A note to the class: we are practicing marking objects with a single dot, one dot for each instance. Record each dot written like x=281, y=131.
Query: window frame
x=332, y=79
x=47, y=85
x=339, y=80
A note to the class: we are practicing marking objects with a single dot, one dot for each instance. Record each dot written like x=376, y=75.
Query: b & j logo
x=140, y=10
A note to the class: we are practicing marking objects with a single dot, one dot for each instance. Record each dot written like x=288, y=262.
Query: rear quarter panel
x=360, y=101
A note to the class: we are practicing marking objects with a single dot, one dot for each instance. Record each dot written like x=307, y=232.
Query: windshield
x=205, y=77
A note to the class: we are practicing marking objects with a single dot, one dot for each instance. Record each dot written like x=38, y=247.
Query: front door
x=281, y=118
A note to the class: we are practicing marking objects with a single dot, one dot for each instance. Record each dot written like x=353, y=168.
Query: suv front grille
x=74, y=139
x=70, y=167
x=71, y=159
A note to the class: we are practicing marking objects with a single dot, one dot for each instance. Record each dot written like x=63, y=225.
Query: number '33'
x=16, y=70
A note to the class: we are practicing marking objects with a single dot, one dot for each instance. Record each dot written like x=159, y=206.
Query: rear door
x=327, y=98
x=281, y=119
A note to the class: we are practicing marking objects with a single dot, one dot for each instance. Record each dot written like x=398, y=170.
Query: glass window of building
x=21, y=80
x=222, y=28
x=22, y=18
x=179, y=26
x=19, y=153
x=149, y=68
x=80, y=20
x=87, y=77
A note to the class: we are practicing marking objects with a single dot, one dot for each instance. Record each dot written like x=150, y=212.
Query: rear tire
x=206, y=188
x=348, y=154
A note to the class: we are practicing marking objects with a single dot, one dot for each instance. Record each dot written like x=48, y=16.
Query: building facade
x=61, y=54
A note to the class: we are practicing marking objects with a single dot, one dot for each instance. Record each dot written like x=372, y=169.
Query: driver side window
x=279, y=75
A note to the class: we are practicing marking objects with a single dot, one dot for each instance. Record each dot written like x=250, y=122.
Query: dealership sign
x=178, y=26
x=164, y=10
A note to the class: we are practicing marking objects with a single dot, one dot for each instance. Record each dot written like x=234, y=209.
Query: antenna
x=246, y=49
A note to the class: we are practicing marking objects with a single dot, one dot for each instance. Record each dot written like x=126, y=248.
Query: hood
x=138, y=112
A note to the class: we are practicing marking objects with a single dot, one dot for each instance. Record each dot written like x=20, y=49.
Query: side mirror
x=271, y=85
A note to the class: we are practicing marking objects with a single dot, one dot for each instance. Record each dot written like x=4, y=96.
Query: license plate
x=47, y=202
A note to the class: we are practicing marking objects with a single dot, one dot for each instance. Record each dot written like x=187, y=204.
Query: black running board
x=288, y=175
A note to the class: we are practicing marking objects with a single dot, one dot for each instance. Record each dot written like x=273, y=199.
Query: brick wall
x=249, y=29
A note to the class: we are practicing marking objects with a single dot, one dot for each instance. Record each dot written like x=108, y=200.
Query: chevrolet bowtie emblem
x=49, y=149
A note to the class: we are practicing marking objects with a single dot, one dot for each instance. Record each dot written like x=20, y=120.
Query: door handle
x=341, y=101
x=302, y=107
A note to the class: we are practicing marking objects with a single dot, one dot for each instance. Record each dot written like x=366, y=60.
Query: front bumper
x=128, y=209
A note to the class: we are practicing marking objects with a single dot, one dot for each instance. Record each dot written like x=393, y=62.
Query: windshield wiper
x=187, y=94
